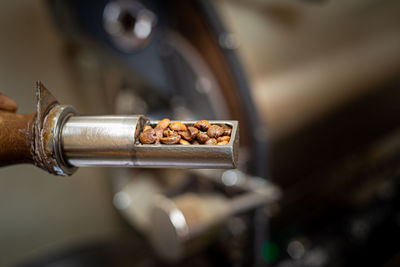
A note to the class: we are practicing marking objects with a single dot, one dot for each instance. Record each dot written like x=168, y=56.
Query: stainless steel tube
x=113, y=141
x=100, y=140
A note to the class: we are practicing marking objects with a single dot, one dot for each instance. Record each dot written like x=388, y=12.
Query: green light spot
x=270, y=252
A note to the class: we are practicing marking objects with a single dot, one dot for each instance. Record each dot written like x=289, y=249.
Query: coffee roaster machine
x=176, y=59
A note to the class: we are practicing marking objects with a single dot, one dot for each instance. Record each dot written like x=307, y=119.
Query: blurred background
x=314, y=84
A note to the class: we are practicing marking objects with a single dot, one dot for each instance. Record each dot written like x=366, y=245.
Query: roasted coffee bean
x=146, y=127
x=177, y=126
x=211, y=141
x=168, y=133
x=202, y=132
x=202, y=125
x=159, y=132
x=227, y=129
x=202, y=137
x=215, y=131
x=184, y=142
x=171, y=140
x=148, y=137
x=223, y=138
x=173, y=133
x=193, y=132
x=185, y=135
x=164, y=123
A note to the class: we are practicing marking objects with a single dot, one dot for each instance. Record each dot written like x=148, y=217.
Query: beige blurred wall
x=307, y=58
x=40, y=213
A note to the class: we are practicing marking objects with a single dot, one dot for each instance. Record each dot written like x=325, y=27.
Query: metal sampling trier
x=57, y=139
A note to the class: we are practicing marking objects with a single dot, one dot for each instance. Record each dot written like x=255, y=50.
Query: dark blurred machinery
x=338, y=175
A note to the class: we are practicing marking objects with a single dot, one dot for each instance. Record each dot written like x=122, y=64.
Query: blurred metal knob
x=129, y=24
x=179, y=225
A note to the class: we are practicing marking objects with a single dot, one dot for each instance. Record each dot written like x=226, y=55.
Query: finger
x=7, y=103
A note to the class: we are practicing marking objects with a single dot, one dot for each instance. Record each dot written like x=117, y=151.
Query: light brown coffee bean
x=185, y=135
x=222, y=143
x=164, y=123
x=168, y=132
x=171, y=140
x=146, y=127
x=211, y=141
x=148, y=137
x=202, y=125
x=223, y=138
x=177, y=126
x=184, y=142
x=159, y=132
x=215, y=131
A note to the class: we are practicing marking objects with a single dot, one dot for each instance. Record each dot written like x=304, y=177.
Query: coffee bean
x=146, y=127
x=148, y=137
x=202, y=125
x=215, y=131
x=185, y=135
x=223, y=138
x=211, y=141
x=164, y=123
x=202, y=132
x=202, y=137
x=177, y=126
x=193, y=132
x=171, y=140
x=227, y=129
x=168, y=132
x=184, y=142
x=222, y=143
x=159, y=132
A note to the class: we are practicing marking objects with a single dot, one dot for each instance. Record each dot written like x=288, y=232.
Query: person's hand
x=7, y=104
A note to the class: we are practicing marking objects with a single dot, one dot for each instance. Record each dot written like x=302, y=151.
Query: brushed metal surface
x=100, y=140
